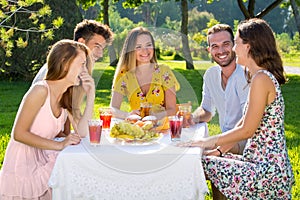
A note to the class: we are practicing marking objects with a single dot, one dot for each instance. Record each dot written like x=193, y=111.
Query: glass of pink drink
x=105, y=116
x=175, y=123
x=95, y=129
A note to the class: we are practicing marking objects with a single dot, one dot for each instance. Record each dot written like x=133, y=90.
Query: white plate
x=136, y=142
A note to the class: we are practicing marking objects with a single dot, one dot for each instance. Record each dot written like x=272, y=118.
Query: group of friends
x=249, y=160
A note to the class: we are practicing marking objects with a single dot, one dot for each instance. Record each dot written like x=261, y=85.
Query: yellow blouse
x=162, y=79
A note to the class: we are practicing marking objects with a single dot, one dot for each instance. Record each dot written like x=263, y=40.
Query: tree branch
x=27, y=30
x=10, y=15
x=243, y=9
x=251, y=7
x=268, y=9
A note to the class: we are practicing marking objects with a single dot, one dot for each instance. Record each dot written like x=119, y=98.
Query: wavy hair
x=59, y=60
x=88, y=28
x=263, y=49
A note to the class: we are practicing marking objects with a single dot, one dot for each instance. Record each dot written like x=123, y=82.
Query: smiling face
x=220, y=48
x=96, y=44
x=77, y=66
x=241, y=50
x=144, y=49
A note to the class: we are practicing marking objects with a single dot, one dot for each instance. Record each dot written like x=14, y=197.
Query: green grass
x=292, y=60
x=191, y=85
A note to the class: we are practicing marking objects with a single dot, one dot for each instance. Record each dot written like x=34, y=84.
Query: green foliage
x=284, y=42
x=296, y=41
x=85, y=4
x=171, y=24
x=42, y=28
x=133, y=3
x=121, y=27
x=288, y=45
x=9, y=16
x=198, y=21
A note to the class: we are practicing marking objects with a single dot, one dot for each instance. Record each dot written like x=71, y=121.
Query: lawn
x=191, y=84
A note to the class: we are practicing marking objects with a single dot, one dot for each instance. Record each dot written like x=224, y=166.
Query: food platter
x=138, y=133
x=137, y=142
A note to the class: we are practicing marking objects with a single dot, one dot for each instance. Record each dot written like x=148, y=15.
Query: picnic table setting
x=135, y=158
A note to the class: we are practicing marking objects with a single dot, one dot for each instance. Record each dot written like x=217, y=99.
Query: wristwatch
x=221, y=153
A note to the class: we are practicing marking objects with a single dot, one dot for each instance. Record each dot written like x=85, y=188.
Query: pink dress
x=26, y=169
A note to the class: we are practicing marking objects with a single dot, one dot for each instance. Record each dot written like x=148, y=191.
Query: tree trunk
x=147, y=13
x=111, y=50
x=184, y=35
x=296, y=14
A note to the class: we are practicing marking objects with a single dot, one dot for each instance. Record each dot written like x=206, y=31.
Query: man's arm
x=201, y=115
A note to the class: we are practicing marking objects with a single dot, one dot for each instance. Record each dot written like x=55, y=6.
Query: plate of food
x=137, y=133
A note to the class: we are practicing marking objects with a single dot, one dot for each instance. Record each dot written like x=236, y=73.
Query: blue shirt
x=228, y=103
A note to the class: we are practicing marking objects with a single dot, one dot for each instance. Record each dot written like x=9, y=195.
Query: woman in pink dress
x=47, y=110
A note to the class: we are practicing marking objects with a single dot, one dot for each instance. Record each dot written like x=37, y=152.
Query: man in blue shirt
x=225, y=90
x=225, y=87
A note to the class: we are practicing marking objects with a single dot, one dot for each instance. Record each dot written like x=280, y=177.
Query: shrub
x=25, y=63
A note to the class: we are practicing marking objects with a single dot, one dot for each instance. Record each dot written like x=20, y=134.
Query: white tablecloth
x=113, y=171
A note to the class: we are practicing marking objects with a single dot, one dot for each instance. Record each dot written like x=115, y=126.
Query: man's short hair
x=219, y=28
x=88, y=28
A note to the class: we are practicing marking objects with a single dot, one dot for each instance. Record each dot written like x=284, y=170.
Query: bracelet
x=221, y=154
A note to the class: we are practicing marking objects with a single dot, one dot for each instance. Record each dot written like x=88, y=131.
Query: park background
x=27, y=31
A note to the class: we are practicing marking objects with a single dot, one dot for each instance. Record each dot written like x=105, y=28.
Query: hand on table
x=209, y=142
x=71, y=139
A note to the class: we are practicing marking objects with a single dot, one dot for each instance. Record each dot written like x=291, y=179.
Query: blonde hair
x=127, y=60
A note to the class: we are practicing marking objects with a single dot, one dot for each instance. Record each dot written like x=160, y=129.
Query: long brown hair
x=127, y=59
x=263, y=49
x=59, y=60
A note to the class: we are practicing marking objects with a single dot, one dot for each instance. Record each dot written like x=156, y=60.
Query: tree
x=26, y=30
x=249, y=12
x=8, y=14
x=183, y=30
x=279, y=18
x=198, y=20
x=184, y=36
x=19, y=22
x=294, y=4
x=111, y=49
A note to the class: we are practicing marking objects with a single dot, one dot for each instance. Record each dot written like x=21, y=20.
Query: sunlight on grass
x=12, y=93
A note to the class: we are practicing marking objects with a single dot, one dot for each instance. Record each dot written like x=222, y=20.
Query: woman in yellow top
x=140, y=78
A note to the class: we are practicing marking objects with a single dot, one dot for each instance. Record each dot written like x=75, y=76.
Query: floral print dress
x=162, y=79
x=264, y=170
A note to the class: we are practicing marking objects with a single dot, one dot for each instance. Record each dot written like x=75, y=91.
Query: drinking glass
x=95, y=130
x=185, y=110
x=145, y=108
x=175, y=123
x=105, y=115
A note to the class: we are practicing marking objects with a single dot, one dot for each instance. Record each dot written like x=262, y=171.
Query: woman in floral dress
x=264, y=170
x=140, y=78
